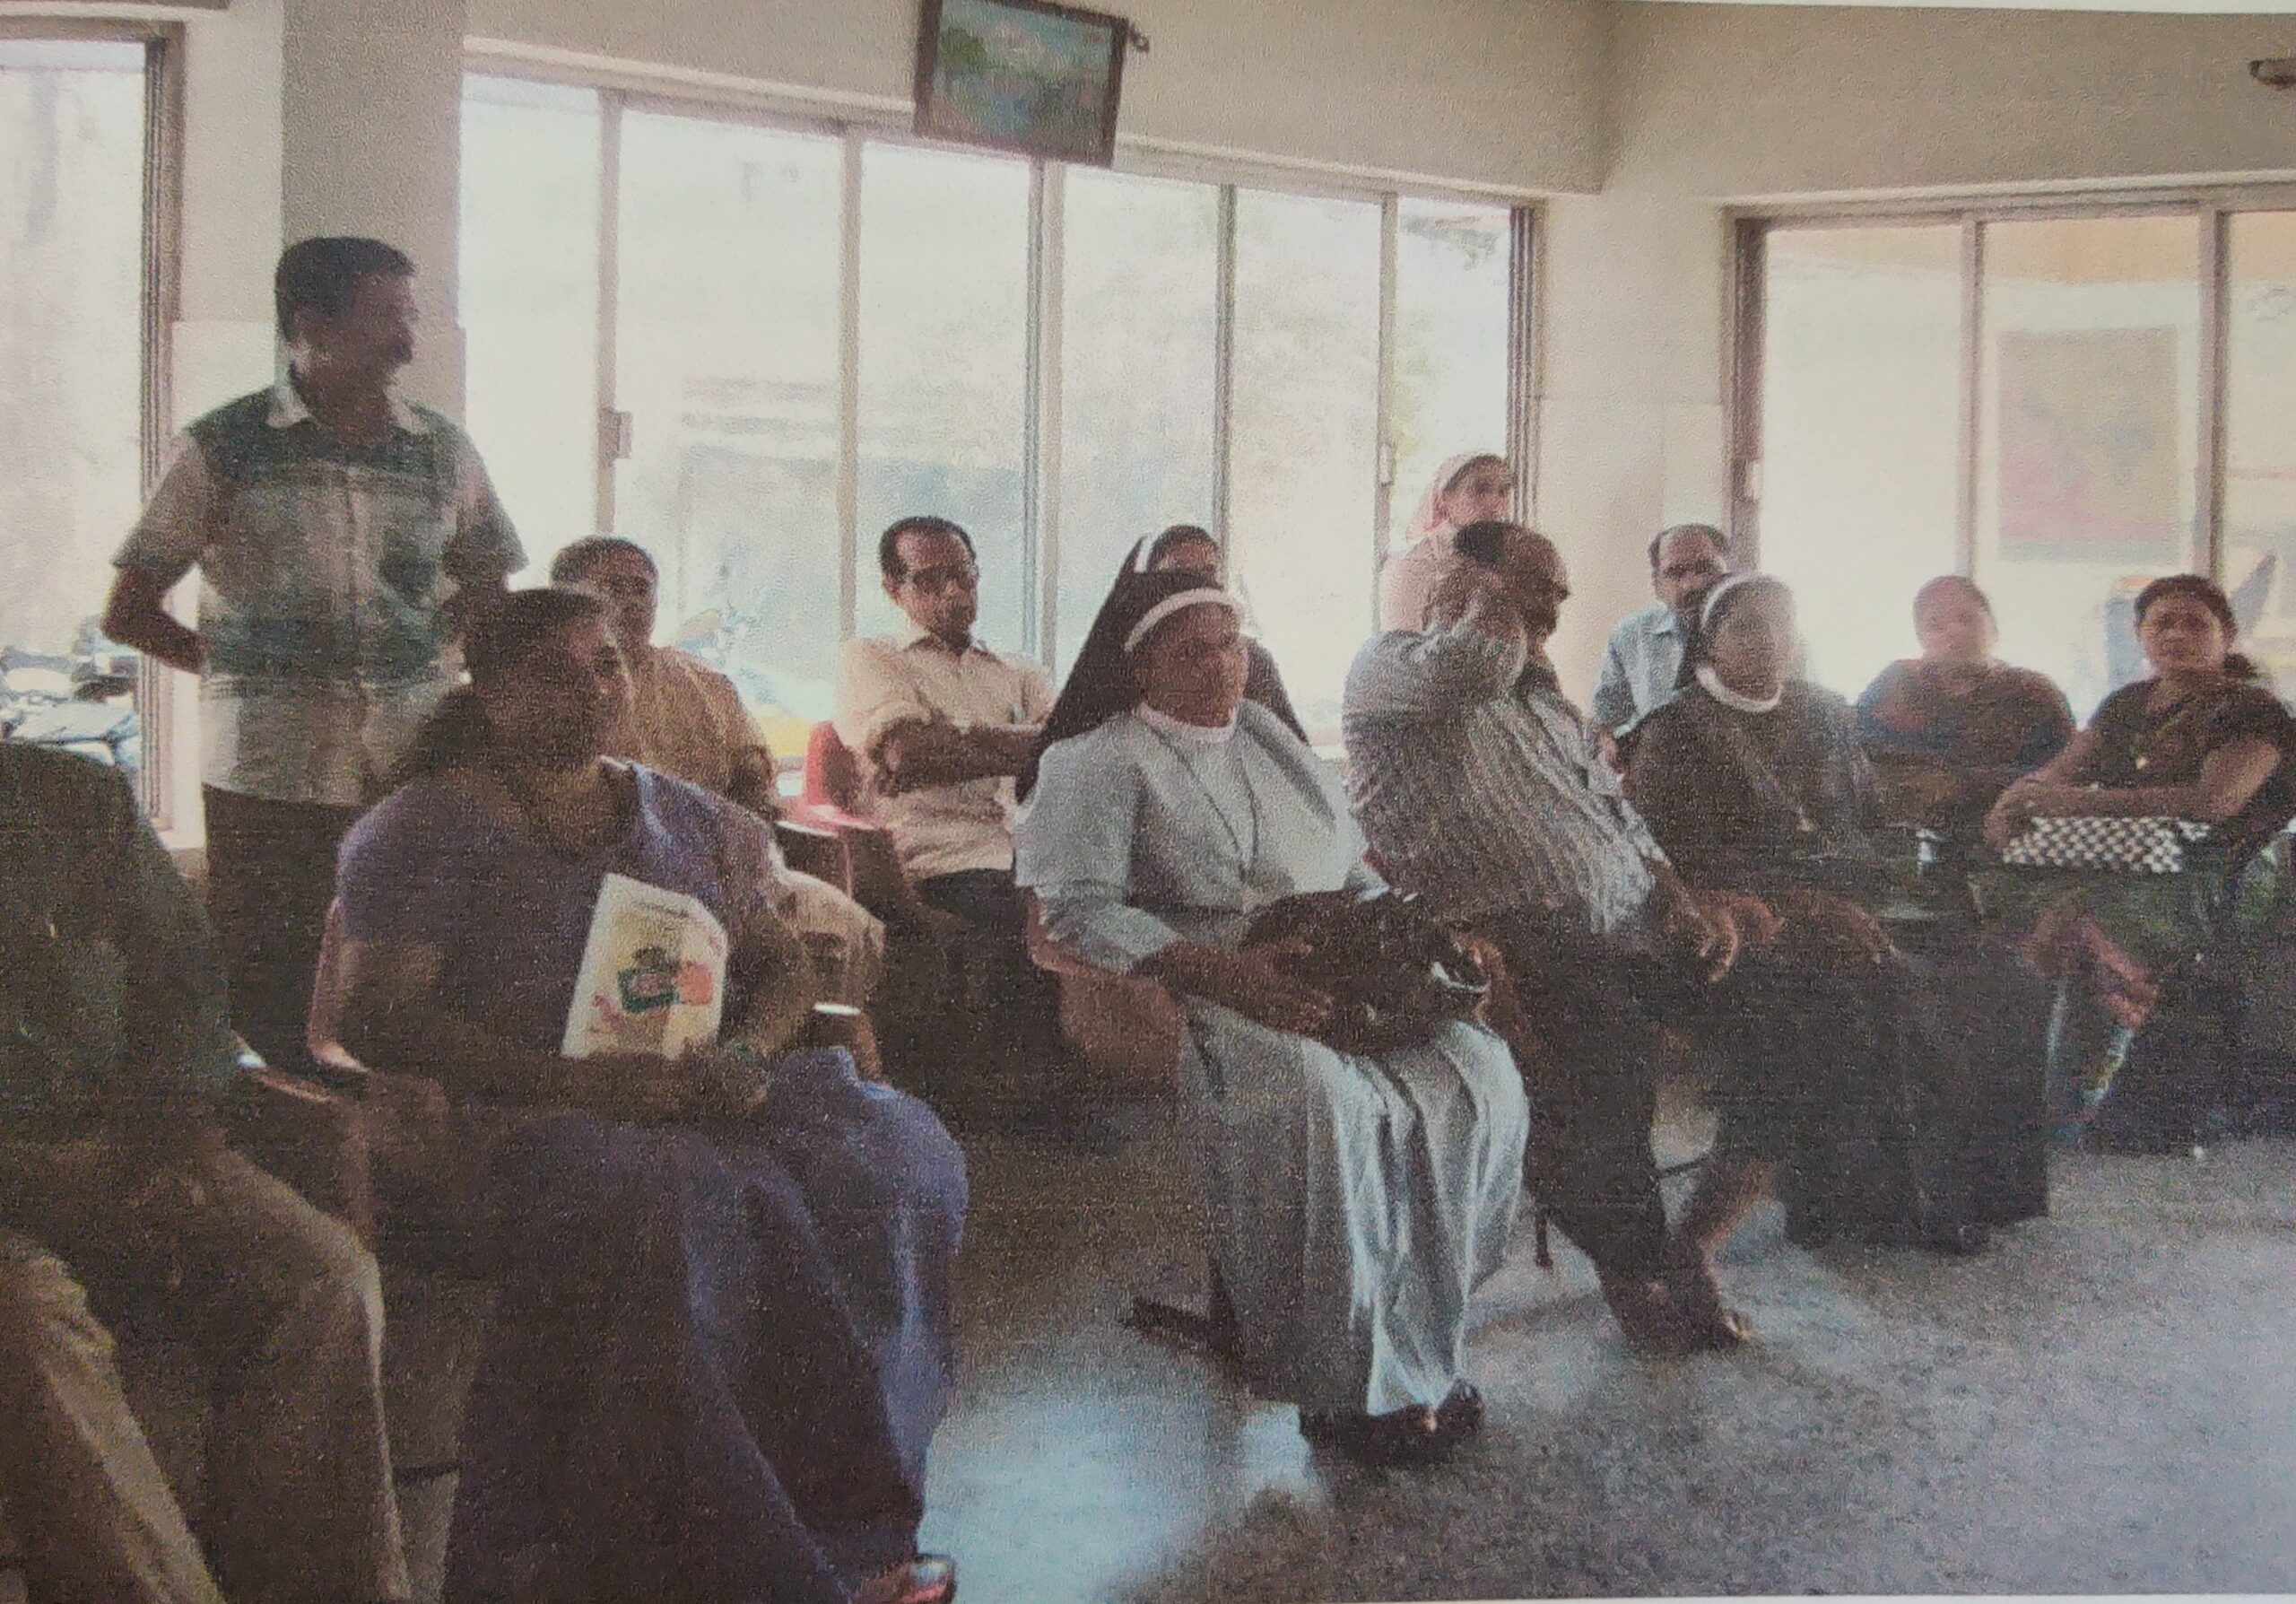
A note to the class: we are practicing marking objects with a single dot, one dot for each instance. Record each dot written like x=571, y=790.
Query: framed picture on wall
x=1021, y=75
x=2089, y=447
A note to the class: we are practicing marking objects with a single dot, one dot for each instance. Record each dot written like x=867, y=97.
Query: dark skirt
x=717, y=1360
x=1904, y=1098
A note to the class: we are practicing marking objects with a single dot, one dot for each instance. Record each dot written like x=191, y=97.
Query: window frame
x=2211, y=206
x=860, y=120
x=161, y=298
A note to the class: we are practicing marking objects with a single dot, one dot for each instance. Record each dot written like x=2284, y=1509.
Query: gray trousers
x=283, y=1307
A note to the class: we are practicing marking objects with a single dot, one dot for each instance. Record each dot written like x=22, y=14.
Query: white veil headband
x=1426, y=520
x=1203, y=595
x=1723, y=586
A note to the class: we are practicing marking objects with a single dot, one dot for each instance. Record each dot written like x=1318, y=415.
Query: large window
x=945, y=366
x=2088, y=407
x=751, y=346
x=1862, y=346
x=1304, y=453
x=1140, y=362
x=76, y=375
x=529, y=289
x=1455, y=263
x=725, y=341
x=2029, y=397
x=2259, y=515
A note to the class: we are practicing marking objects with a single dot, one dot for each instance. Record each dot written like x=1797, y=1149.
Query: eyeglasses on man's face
x=940, y=577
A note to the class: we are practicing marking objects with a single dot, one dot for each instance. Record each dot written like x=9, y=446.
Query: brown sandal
x=928, y=1578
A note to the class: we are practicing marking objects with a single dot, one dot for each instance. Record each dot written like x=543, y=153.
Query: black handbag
x=1395, y=973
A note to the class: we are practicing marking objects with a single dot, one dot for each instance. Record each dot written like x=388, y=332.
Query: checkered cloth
x=2152, y=845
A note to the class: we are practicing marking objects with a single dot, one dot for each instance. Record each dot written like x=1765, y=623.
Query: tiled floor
x=1083, y=1458
x=2106, y=1402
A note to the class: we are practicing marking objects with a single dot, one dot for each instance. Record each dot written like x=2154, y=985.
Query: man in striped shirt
x=1478, y=784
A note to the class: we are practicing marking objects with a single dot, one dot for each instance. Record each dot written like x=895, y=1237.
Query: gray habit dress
x=1356, y=1202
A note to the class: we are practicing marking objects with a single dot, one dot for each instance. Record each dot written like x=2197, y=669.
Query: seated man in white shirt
x=686, y=719
x=940, y=724
x=1646, y=650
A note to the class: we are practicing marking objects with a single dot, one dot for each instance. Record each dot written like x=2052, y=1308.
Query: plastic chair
x=1126, y=1028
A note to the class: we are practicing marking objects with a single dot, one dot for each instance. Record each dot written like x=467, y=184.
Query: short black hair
x=322, y=275
x=1720, y=541
x=572, y=565
x=921, y=523
x=1484, y=542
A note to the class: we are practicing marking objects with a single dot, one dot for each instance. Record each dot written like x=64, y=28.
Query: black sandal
x=1414, y=1436
x=1460, y=1415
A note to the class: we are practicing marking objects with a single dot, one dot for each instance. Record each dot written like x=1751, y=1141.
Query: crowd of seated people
x=724, y=1275
x=1755, y=783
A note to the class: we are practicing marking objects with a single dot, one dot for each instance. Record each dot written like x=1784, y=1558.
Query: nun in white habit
x=1356, y=1202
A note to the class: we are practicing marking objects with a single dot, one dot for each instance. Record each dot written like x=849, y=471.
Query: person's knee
x=44, y=1311
x=337, y=1285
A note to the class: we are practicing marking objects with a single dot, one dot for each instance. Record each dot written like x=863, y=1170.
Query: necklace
x=1247, y=838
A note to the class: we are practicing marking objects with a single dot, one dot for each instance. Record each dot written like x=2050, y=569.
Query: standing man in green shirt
x=115, y=1181
x=342, y=535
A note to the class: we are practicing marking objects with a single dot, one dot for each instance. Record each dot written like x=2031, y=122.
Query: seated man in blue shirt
x=1646, y=650
x=115, y=1185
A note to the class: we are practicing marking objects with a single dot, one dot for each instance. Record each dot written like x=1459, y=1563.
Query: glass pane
x=1139, y=337
x=1453, y=265
x=2261, y=436
x=71, y=340
x=945, y=366
x=2088, y=433
x=1303, y=451
x=530, y=302
x=727, y=361
x=1860, y=433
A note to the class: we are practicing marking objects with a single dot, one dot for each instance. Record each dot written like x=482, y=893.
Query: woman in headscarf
x=1949, y=730
x=1753, y=780
x=1189, y=548
x=724, y=1328
x=1356, y=1201
x=1470, y=488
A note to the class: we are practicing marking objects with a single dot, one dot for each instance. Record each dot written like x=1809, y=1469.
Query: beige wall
x=1732, y=100
x=371, y=140
x=1629, y=417
x=1497, y=93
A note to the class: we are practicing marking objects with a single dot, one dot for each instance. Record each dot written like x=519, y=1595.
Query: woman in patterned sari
x=2200, y=739
x=724, y=1326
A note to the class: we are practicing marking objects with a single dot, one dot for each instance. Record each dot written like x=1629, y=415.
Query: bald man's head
x=1528, y=566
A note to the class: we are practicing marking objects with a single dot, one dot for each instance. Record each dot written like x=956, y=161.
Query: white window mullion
x=1223, y=381
x=614, y=426
x=848, y=410
x=1040, y=536
x=1383, y=456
